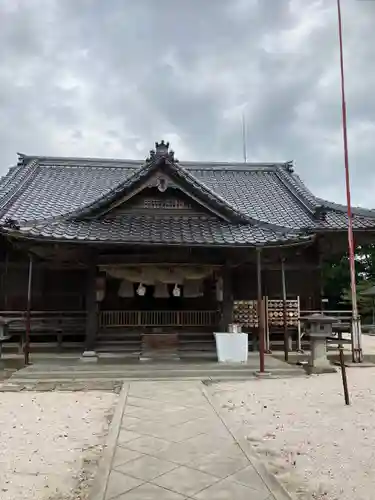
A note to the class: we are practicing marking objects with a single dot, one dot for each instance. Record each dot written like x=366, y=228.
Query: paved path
x=167, y=442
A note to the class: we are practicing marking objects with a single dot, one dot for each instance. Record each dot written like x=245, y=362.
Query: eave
x=280, y=240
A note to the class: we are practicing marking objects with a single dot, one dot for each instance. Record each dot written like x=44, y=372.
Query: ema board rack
x=275, y=312
x=245, y=313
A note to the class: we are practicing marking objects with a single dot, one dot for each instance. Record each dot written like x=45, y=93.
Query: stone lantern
x=319, y=327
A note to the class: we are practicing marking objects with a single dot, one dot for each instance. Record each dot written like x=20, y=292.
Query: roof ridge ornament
x=162, y=151
x=289, y=166
x=21, y=158
x=10, y=223
x=321, y=213
x=162, y=148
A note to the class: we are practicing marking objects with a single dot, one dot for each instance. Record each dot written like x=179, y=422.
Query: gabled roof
x=250, y=204
x=171, y=170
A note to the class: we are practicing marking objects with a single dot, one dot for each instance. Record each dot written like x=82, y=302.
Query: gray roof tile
x=193, y=230
x=58, y=190
x=40, y=193
x=259, y=194
x=179, y=174
x=338, y=220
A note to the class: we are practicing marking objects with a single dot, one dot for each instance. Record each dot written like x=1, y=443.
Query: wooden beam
x=290, y=267
x=42, y=265
x=156, y=259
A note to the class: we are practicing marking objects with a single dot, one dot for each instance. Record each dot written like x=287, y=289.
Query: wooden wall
x=52, y=289
x=303, y=282
x=64, y=288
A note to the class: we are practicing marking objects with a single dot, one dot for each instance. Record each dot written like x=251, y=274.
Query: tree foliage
x=336, y=280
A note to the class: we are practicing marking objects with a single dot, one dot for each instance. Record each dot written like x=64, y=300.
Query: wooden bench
x=55, y=327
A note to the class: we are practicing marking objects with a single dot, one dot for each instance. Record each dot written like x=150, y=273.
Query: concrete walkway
x=168, y=442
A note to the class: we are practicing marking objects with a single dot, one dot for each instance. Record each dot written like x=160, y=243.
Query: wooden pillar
x=285, y=316
x=261, y=329
x=6, y=281
x=28, y=312
x=227, y=317
x=91, y=310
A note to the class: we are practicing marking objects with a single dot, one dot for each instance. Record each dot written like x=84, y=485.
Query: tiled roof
x=56, y=190
x=176, y=172
x=192, y=230
x=337, y=219
x=259, y=194
x=46, y=195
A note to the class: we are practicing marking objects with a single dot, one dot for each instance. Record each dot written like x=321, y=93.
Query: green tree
x=365, y=303
x=336, y=280
x=365, y=257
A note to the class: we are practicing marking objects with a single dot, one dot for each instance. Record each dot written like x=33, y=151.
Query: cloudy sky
x=109, y=77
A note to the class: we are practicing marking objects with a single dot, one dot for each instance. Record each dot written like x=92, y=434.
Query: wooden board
x=156, y=341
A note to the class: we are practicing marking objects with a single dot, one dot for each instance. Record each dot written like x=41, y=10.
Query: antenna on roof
x=244, y=138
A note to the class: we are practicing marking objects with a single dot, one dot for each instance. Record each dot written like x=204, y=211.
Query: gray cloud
x=94, y=78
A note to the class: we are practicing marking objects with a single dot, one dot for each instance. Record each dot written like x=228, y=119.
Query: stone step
x=147, y=358
x=116, y=347
x=165, y=355
x=197, y=347
x=119, y=336
x=154, y=371
x=151, y=375
x=92, y=381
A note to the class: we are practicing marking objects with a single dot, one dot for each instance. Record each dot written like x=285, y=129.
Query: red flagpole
x=356, y=326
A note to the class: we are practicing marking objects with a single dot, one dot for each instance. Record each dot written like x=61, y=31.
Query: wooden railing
x=46, y=326
x=17, y=319
x=340, y=315
x=113, y=319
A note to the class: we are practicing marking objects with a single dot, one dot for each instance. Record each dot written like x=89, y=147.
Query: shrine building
x=135, y=257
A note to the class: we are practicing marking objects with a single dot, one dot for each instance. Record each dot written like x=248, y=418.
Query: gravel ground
x=50, y=443
x=318, y=447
